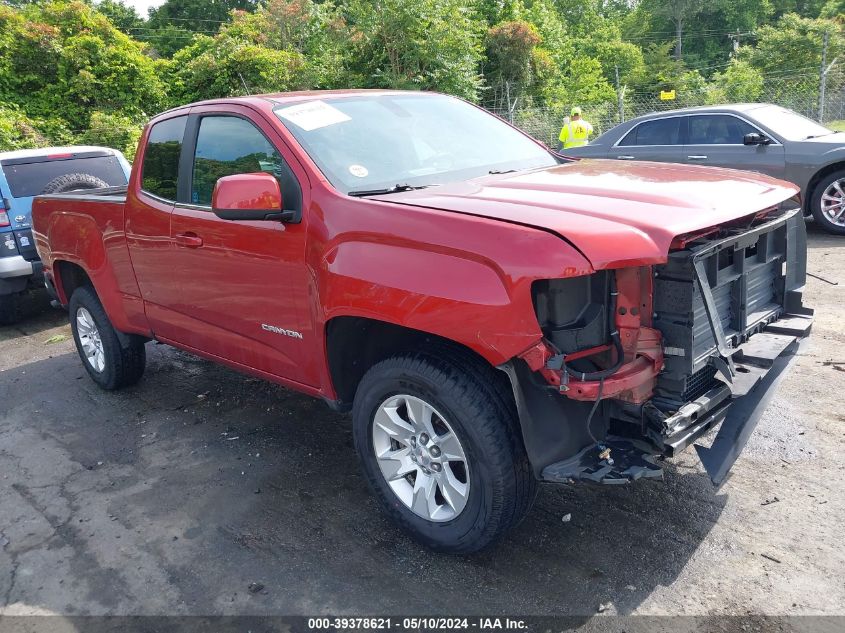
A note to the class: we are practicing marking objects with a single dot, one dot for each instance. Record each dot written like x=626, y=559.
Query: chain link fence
x=544, y=123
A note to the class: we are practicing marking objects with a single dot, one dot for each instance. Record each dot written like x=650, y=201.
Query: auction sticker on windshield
x=359, y=170
x=312, y=115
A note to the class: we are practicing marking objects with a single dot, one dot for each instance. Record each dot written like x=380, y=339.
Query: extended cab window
x=658, y=132
x=229, y=145
x=161, y=158
x=718, y=129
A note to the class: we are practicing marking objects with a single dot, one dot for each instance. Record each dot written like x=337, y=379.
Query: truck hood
x=616, y=214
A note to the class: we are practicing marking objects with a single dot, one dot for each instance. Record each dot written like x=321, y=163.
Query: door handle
x=191, y=240
x=625, y=157
x=697, y=157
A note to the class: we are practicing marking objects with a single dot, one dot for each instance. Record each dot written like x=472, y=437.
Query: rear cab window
x=27, y=177
x=160, y=168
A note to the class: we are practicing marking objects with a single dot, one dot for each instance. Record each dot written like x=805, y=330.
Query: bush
x=113, y=130
x=18, y=131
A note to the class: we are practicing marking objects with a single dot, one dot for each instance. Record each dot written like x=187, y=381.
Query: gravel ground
x=174, y=496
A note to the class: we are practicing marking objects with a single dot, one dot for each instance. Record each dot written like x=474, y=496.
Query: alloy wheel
x=421, y=458
x=833, y=202
x=89, y=339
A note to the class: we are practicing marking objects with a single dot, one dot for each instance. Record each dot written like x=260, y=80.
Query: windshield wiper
x=501, y=171
x=819, y=135
x=394, y=189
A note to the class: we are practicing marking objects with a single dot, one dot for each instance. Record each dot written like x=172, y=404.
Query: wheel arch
x=817, y=178
x=355, y=343
x=67, y=277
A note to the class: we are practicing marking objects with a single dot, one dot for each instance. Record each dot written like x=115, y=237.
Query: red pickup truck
x=493, y=315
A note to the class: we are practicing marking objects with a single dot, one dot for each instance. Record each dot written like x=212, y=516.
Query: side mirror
x=256, y=196
x=755, y=138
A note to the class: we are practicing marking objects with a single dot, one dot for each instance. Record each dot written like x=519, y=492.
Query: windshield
x=366, y=143
x=788, y=124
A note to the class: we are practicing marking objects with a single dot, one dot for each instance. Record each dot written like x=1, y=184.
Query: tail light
x=4, y=219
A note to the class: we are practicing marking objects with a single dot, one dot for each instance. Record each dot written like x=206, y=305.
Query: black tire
x=816, y=203
x=73, y=182
x=123, y=362
x=482, y=415
x=10, y=309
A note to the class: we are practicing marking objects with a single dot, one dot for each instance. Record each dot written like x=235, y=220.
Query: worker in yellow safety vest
x=575, y=131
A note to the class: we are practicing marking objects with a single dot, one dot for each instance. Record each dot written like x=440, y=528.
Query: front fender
x=463, y=297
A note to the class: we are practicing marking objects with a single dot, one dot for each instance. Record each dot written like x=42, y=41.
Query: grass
x=839, y=126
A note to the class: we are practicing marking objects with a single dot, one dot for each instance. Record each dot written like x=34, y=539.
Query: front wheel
x=441, y=449
x=110, y=362
x=828, y=203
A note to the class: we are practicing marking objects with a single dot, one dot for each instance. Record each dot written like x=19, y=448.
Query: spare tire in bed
x=73, y=182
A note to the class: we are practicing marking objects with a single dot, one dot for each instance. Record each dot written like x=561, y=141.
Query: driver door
x=717, y=140
x=238, y=297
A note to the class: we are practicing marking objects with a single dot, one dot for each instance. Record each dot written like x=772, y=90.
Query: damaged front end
x=637, y=363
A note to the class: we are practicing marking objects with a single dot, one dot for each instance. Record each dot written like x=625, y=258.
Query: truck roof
x=278, y=98
x=46, y=151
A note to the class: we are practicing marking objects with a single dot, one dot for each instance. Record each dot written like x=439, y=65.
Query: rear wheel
x=828, y=203
x=441, y=450
x=112, y=364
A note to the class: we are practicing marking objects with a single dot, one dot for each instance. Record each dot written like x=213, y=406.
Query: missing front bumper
x=764, y=370
x=562, y=452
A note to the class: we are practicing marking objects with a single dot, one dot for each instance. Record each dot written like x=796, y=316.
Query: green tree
x=834, y=10
x=223, y=66
x=415, y=44
x=18, y=131
x=804, y=8
x=315, y=30
x=122, y=16
x=113, y=130
x=172, y=25
x=789, y=52
x=511, y=52
x=65, y=59
x=680, y=13
x=739, y=82
x=196, y=13
x=284, y=45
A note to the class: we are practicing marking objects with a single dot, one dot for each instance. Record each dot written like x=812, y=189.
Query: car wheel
x=10, y=309
x=828, y=203
x=441, y=450
x=112, y=364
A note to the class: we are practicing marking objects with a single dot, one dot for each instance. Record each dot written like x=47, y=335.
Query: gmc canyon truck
x=492, y=314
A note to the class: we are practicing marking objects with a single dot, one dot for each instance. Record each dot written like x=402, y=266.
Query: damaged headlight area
x=641, y=362
x=577, y=316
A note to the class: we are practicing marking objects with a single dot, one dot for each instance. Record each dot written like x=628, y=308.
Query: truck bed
x=86, y=229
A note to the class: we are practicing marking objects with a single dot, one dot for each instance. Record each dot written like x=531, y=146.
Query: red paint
x=247, y=191
x=635, y=380
x=457, y=261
